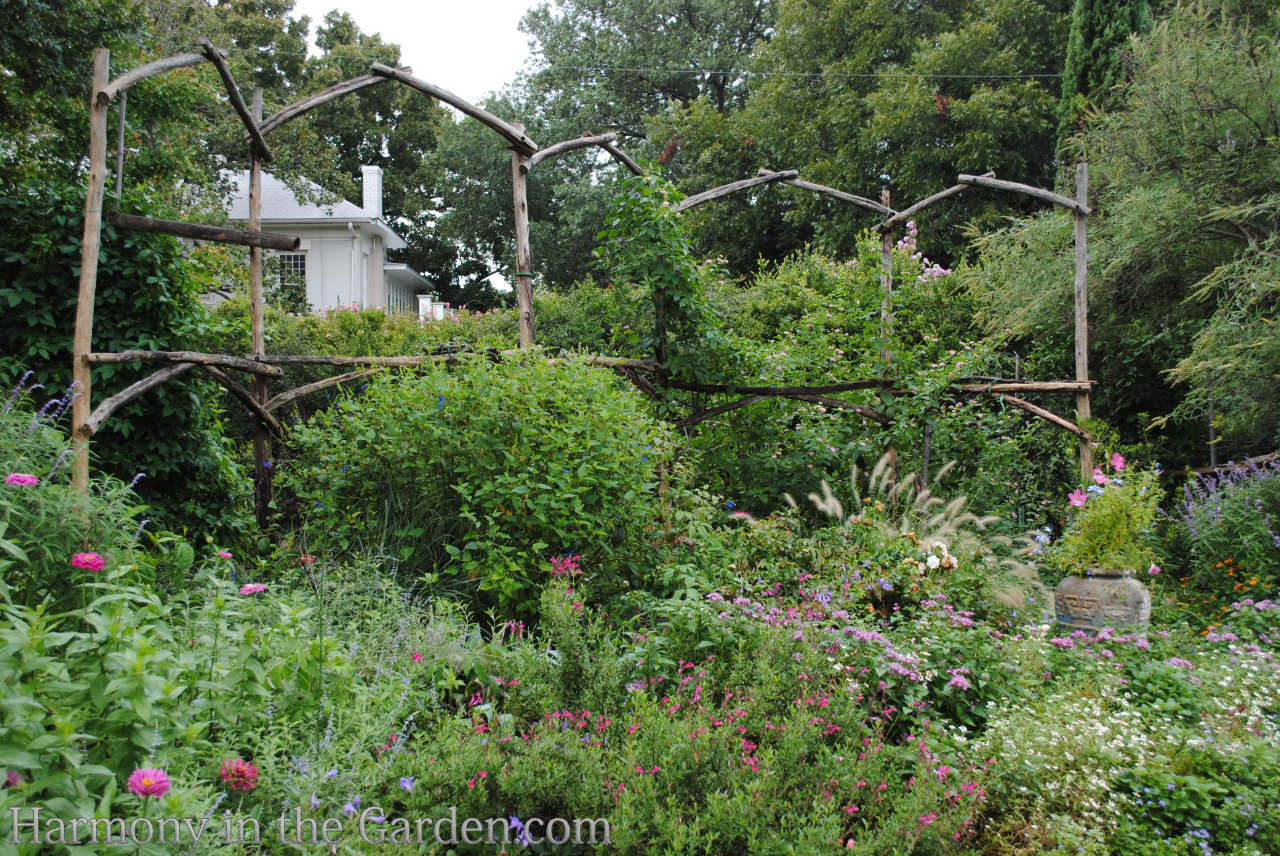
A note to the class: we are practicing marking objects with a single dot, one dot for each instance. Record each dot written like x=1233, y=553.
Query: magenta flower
x=239, y=774
x=417, y=657
x=252, y=588
x=1117, y=461
x=22, y=479
x=1099, y=477
x=149, y=783
x=1153, y=570
x=1077, y=498
x=223, y=554
x=88, y=562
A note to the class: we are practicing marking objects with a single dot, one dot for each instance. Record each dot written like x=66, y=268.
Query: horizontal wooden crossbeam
x=201, y=232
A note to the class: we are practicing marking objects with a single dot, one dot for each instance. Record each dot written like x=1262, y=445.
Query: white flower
x=933, y=562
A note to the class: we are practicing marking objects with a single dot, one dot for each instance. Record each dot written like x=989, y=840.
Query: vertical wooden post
x=886, y=316
x=886, y=283
x=124, y=100
x=524, y=255
x=1082, y=317
x=89, y=247
x=262, y=482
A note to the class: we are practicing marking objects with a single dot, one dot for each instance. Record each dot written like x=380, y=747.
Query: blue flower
x=315, y=803
x=406, y=782
x=731, y=505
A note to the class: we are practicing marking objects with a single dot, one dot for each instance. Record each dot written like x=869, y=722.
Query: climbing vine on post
x=646, y=242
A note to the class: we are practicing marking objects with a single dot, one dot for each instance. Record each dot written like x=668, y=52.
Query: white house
x=343, y=257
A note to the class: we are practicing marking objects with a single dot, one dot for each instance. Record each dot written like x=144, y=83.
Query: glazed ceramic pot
x=1102, y=598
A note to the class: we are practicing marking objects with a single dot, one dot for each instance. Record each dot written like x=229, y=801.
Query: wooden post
x=124, y=99
x=886, y=315
x=886, y=283
x=262, y=482
x=89, y=246
x=1082, y=316
x=524, y=255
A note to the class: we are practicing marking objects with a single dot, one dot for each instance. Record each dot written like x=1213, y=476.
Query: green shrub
x=1227, y=525
x=146, y=299
x=474, y=475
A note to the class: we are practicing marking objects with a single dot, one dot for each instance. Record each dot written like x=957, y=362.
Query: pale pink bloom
x=252, y=588
x=1117, y=462
x=1077, y=498
x=22, y=479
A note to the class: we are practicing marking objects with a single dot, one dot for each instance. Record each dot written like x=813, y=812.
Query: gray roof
x=279, y=203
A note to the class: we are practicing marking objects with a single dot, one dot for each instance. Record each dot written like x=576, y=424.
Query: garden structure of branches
x=650, y=376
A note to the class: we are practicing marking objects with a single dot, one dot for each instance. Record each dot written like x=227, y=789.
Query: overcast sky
x=470, y=47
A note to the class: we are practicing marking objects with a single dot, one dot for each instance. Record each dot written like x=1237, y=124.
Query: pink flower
x=149, y=783
x=239, y=774
x=1077, y=498
x=417, y=657
x=252, y=588
x=1099, y=477
x=1117, y=462
x=223, y=554
x=22, y=479
x=88, y=562
x=1153, y=570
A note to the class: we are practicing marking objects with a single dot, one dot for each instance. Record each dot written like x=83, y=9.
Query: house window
x=291, y=283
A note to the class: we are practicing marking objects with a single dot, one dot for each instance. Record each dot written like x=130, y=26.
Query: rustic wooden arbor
x=525, y=155
x=86, y=421
x=887, y=227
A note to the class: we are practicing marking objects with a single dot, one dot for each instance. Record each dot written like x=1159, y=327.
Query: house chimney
x=372, y=181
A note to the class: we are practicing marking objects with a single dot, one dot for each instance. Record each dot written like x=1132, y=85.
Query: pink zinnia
x=23, y=479
x=1117, y=462
x=252, y=588
x=239, y=773
x=149, y=783
x=1077, y=498
x=88, y=562
x=223, y=554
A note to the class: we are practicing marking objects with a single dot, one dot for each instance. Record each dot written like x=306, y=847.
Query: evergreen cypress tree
x=1099, y=29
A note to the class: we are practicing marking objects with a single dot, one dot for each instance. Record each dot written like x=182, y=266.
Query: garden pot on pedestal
x=1102, y=598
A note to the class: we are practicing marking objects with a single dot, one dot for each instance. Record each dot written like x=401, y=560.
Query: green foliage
x=1223, y=529
x=47, y=523
x=1094, y=67
x=1180, y=299
x=1111, y=531
x=646, y=242
x=475, y=475
x=146, y=300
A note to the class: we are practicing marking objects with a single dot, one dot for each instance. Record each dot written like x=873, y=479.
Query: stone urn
x=1102, y=598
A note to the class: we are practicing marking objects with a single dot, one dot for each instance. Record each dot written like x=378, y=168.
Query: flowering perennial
x=239, y=774
x=88, y=562
x=149, y=783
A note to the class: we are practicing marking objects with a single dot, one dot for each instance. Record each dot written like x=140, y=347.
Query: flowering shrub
x=1228, y=525
x=1111, y=529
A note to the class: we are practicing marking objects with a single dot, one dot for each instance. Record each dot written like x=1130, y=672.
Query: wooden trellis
x=525, y=155
x=86, y=421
